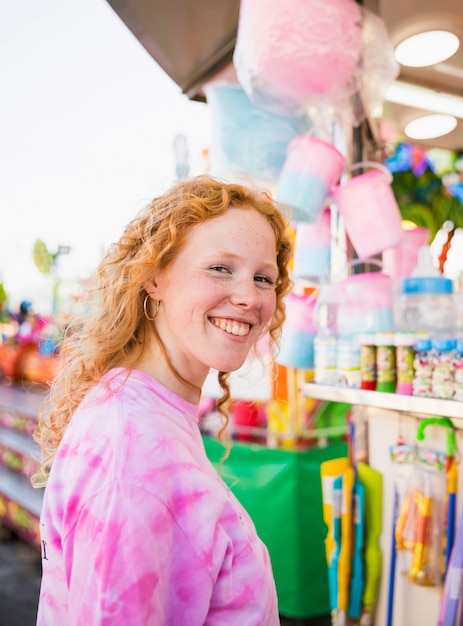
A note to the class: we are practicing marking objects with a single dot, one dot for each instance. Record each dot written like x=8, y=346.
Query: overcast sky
x=87, y=125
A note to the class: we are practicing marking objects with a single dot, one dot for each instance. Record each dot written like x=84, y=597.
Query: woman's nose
x=245, y=293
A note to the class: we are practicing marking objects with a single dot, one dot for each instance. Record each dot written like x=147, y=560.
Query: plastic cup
x=312, y=253
x=371, y=215
x=311, y=169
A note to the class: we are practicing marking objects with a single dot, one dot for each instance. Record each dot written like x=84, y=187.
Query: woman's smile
x=232, y=327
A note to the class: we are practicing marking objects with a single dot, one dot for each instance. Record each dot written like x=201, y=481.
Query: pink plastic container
x=311, y=169
x=296, y=347
x=400, y=261
x=370, y=289
x=312, y=250
x=371, y=215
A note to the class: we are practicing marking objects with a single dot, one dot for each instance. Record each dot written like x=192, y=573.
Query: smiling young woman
x=137, y=526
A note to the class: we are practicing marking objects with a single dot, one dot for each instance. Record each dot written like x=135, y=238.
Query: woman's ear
x=150, y=287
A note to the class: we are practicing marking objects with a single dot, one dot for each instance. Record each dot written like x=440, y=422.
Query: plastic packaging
x=379, y=66
x=247, y=139
x=405, y=356
x=370, y=211
x=443, y=355
x=312, y=167
x=287, y=52
x=399, y=261
x=325, y=358
x=297, y=338
x=426, y=300
x=385, y=362
x=348, y=361
x=423, y=364
x=427, y=305
x=365, y=303
x=421, y=523
x=367, y=361
x=312, y=253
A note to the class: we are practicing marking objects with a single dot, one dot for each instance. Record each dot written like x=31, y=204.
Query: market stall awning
x=192, y=40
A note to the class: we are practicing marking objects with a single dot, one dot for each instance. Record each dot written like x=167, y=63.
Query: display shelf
x=22, y=401
x=18, y=451
x=19, y=489
x=381, y=400
x=20, y=502
x=18, y=442
x=20, y=505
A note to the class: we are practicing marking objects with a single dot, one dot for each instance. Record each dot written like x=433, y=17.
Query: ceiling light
x=427, y=48
x=425, y=99
x=430, y=126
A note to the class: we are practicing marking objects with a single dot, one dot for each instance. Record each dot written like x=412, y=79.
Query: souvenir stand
x=310, y=460
x=262, y=130
x=331, y=161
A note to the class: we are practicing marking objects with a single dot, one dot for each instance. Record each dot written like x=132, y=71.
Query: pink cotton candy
x=296, y=49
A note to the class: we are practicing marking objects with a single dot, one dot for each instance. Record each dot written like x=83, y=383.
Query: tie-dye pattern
x=138, y=529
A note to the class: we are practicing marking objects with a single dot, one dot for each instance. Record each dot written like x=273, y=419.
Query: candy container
x=443, y=364
x=385, y=362
x=367, y=361
x=348, y=361
x=423, y=364
x=405, y=356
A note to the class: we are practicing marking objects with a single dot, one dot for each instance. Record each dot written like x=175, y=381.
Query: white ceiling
x=406, y=17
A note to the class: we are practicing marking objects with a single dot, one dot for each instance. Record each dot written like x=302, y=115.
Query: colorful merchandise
x=312, y=168
x=287, y=53
x=371, y=191
x=443, y=358
x=297, y=339
x=405, y=356
x=385, y=362
x=352, y=511
x=424, y=525
x=423, y=366
x=367, y=361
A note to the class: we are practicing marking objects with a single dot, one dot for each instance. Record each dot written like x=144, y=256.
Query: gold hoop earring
x=145, y=308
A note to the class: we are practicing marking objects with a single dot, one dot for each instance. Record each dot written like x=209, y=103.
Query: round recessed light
x=430, y=126
x=427, y=48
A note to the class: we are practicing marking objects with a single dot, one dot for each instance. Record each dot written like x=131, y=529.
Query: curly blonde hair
x=114, y=328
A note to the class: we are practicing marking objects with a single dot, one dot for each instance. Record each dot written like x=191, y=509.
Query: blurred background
x=88, y=127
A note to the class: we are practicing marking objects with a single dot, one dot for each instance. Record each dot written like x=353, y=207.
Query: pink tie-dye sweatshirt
x=138, y=529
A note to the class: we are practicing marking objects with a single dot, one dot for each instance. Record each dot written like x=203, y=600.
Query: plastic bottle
x=385, y=362
x=443, y=356
x=325, y=357
x=367, y=361
x=326, y=337
x=405, y=356
x=458, y=371
x=348, y=361
x=423, y=364
x=426, y=302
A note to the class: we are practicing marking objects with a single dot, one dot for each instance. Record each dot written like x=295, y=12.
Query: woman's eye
x=264, y=279
x=220, y=268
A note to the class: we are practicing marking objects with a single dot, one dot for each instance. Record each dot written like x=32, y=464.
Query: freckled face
x=218, y=295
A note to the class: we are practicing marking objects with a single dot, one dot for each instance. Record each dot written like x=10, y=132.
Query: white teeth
x=234, y=328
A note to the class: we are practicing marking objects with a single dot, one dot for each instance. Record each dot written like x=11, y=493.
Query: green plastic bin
x=281, y=490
